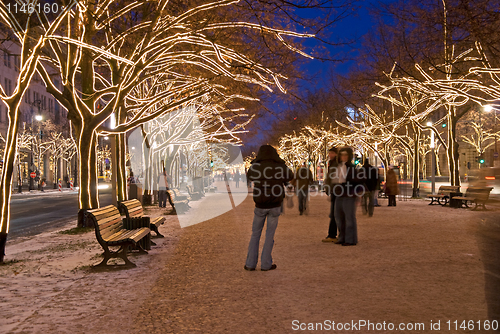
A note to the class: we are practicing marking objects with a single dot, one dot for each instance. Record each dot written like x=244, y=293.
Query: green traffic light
x=481, y=161
x=443, y=125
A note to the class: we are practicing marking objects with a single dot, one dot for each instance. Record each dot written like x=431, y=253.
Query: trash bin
x=135, y=191
x=455, y=203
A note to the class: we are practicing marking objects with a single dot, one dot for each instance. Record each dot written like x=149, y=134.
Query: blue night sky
x=351, y=28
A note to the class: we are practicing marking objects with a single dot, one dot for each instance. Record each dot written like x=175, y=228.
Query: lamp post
x=433, y=162
x=488, y=108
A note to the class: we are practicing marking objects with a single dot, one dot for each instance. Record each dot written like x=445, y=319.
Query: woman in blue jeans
x=350, y=187
x=269, y=175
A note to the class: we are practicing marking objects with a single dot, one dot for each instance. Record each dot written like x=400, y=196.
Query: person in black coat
x=331, y=179
x=370, y=174
x=269, y=174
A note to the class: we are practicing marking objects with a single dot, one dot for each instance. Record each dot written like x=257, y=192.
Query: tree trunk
x=121, y=175
x=453, y=154
x=9, y=157
x=438, y=168
x=416, y=166
x=87, y=195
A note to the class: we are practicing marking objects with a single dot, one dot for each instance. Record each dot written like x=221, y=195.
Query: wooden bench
x=195, y=195
x=132, y=209
x=210, y=189
x=180, y=205
x=110, y=231
x=476, y=195
x=443, y=194
x=180, y=196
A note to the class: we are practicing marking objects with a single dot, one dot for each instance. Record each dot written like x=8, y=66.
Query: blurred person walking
x=302, y=180
x=331, y=179
x=371, y=181
x=391, y=186
x=350, y=187
x=269, y=175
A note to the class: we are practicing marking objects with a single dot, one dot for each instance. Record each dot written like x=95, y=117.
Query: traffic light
x=310, y=162
x=481, y=159
x=357, y=160
x=443, y=125
x=211, y=163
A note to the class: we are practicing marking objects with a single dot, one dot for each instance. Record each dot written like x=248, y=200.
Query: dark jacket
x=370, y=175
x=303, y=179
x=331, y=170
x=391, y=185
x=269, y=174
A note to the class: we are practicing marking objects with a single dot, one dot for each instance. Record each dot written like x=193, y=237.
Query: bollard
x=59, y=185
x=71, y=184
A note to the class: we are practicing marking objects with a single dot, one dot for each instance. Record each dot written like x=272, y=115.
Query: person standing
x=269, y=175
x=237, y=178
x=163, y=185
x=331, y=179
x=391, y=186
x=370, y=174
x=302, y=180
x=377, y=190
x=348, y=190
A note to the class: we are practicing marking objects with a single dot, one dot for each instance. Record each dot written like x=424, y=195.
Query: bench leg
x=154, y=228
x=121, y=253
x=140, y=249
x=432, y=201
x=446, y=200
x=479, y=204
x=107, y=255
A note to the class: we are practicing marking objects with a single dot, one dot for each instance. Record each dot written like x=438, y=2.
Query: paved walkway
x=413, y=264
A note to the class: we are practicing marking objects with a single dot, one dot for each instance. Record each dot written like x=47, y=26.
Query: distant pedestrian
x=269, y=174
x=349, y=189
x=377, y=190
x=331, y=179
x=131, y=178
x=42, y=185
x=370, y=174
x=163, y=185
x=302, y=180
x=391, y=186
x=237, y=178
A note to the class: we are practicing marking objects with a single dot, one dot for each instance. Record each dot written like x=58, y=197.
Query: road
x=34, y=213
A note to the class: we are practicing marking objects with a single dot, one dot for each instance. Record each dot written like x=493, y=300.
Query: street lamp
x=433, y=161
x=489, y=108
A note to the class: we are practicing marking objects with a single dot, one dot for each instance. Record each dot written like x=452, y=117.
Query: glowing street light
x=488, y=108
x=38, y=117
